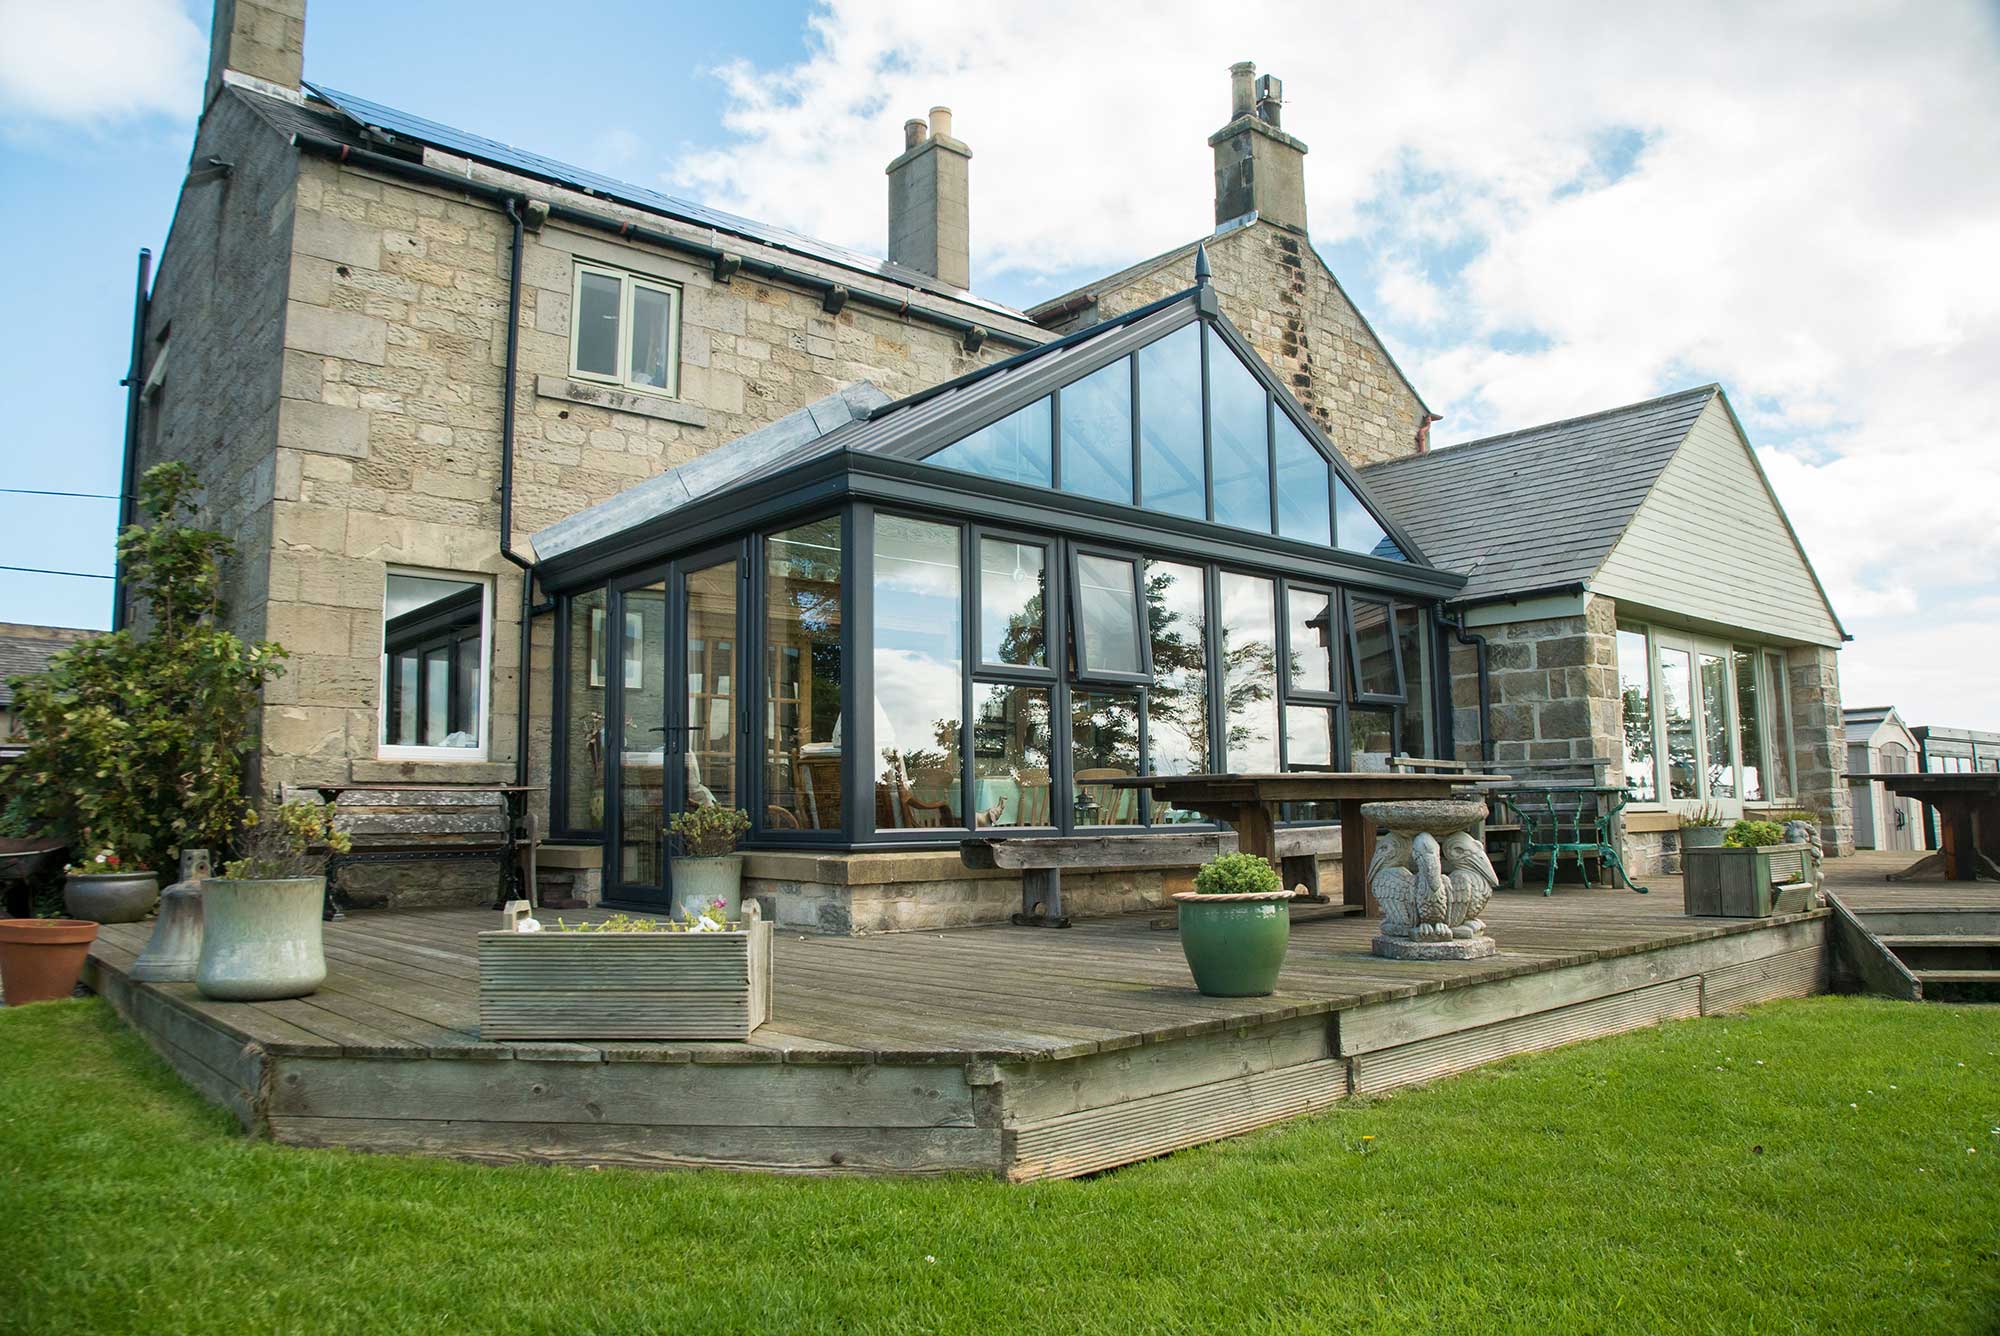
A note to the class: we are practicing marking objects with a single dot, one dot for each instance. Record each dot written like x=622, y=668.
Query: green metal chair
x=1580, y=821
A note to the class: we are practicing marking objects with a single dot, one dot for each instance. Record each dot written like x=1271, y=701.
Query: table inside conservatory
x=1249, y=805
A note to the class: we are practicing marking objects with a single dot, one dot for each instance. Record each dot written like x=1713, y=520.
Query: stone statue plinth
x=1432, y=878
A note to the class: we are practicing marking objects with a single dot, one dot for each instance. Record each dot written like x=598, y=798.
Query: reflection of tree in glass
x=1023, y=640
x=1178, y=698
x=1638, y=739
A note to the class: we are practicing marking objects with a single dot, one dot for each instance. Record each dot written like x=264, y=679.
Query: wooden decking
x=1022, y=1052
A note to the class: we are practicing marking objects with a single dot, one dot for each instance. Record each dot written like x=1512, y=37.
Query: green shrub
x=135, y=742
x=710, y=831
x=289, y=840
x=1754, y=834
x=1237, y=874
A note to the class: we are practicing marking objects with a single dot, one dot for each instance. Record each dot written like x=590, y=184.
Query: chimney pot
x=914, y=133
x=1242, y=100
x=1270, y=99
x=941, y=122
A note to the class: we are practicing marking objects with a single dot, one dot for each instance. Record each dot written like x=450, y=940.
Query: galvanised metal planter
x=111, y=897
x=1235, y=944
x=626, y=985
x=261, y=940
x=699, y=882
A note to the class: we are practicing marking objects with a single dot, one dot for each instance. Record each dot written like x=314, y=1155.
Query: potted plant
x=261, y=918
x=1753, y=873
x=708, y=868
x=1702, y=828
x=42, y=958
x=135, y=739
x=706, y=975
x=109, y=887
x=1235, y=925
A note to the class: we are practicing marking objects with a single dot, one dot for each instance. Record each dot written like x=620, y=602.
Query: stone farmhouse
x=509, y=447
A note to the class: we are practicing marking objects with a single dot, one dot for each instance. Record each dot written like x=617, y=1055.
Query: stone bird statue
x=1416, y=899
x=1472, y=882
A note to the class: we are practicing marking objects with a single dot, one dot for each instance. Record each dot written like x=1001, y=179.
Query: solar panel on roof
x=402, y=124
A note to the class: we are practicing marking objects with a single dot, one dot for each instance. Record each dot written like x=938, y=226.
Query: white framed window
x=437, y=664
x=625, y=330
x=1704, y=721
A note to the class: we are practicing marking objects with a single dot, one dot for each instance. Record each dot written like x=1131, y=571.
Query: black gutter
x=721, y=259
x=134, y=382
x=515, y=207
x=1478, y=644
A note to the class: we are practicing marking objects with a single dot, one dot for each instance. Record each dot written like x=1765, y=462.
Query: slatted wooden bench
x=429, y=822
x=1041, y=860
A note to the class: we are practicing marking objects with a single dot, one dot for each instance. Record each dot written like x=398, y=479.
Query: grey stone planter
x=111, y=897
x=261, y=940
x=625, y=985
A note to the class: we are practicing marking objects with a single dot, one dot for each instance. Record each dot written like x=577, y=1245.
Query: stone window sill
x=621, y=400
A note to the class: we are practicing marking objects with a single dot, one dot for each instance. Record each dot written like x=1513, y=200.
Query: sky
x=1545, y=209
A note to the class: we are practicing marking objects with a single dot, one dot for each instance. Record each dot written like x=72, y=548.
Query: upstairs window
x=625, y=330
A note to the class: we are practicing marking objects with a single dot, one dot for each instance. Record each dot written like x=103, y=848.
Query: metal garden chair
x=1578, y=820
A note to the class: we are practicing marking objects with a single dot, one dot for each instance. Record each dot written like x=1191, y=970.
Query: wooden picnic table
x=1967, y=804
x=1249, y=804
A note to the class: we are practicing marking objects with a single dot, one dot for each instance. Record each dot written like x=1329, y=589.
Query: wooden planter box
x=624, y=985
x=1746, y=883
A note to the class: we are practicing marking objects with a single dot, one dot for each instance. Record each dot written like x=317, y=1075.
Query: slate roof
x=1539, y=509
x=23, y=655
x=347, y=119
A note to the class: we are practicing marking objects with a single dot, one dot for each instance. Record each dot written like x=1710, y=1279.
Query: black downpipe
x=1478, y=644
x=134, y=382
x=522, y=688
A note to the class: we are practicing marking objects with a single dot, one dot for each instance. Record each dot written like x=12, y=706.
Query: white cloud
x=96, y=61
x=1564, y=208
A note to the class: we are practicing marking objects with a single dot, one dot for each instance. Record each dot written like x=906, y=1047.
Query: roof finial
x=1201, y=270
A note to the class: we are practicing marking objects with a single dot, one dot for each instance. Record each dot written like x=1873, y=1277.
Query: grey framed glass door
x=678, y=714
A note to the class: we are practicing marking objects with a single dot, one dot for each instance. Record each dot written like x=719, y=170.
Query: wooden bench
x=401, y=822
x=1041, y=861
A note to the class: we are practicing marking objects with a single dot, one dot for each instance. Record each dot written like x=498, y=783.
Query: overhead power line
x=42, y=570
x=35, y=491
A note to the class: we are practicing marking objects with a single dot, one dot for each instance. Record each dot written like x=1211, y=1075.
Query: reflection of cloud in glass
x=912, y=692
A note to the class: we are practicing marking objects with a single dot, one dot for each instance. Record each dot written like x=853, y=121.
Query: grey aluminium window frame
x=1142, y=632
x=1357, y=694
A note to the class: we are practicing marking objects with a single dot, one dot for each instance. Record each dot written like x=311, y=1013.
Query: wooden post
x=1357, y=849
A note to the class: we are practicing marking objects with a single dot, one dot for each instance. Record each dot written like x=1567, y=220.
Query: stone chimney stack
x=930, y=224
x=1258, y=167
x=263, y=39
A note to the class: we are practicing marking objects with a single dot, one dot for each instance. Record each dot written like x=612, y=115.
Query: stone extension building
x=395, y=351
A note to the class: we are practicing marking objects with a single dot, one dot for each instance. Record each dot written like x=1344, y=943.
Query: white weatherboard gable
x=1710, y=543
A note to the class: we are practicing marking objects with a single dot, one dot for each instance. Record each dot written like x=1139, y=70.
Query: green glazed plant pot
x=1235, y=944
x=111, y=897
x=700, y=882
x=260, y=940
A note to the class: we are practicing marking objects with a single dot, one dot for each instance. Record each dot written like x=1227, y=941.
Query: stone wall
x=1276, y=290
x=1819, y=744
x=218, y=302
x=1554, y=684
x=389, y=435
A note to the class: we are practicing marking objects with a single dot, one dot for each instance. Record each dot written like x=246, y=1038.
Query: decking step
x=1960, y=985
x=1941, y=939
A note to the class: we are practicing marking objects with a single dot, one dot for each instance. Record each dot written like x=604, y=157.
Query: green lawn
x=1826, y=1165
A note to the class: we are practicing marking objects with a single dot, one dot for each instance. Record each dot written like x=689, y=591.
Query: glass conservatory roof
x=1164, y=409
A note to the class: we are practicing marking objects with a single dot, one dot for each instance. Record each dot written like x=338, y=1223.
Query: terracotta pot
x=111, y=897
x=41, y=959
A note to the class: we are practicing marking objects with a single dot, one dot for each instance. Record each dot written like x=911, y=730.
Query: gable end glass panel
x=1355, y=530
x=1171, y=473
x=1302, y=485
x=1239, y=427
x=1097, y=433
x=1017, y=448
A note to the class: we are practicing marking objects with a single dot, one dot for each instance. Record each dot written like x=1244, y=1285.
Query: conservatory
x=875, y=625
